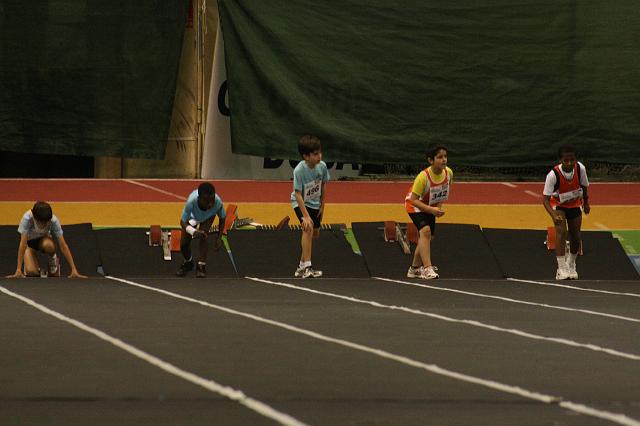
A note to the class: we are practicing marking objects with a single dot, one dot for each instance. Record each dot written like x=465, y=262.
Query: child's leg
x=417, y=260
x=424, y=246
x=202, y=244
x=561, y=236
x=306, y=242
x=574, y=233
x=575, y=222
x=185, y=246
x=48, y=246
x=31, y=267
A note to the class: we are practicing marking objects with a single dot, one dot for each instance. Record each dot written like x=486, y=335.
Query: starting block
x=174, y=240
x=158, y=237
x=232, y=215
x=394, y=233
x=550, y=241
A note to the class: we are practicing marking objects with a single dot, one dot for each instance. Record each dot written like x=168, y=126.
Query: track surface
x=359, y=351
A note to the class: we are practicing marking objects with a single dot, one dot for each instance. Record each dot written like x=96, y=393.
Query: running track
x=139, y=202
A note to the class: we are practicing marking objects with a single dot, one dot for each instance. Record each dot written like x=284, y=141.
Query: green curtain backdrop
x=89, y=77
x=502, y=82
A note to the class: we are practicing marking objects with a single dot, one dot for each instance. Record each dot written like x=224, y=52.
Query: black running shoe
x=186, y=267
x=201, y=271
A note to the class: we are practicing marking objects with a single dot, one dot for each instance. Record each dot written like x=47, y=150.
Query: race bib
x=571, y=195
x=438, y=194
x=312, y=190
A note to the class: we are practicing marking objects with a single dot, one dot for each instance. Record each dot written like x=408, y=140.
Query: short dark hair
x=566, y=148
x=206, y=190
x=433, y=149
x=42, y=211
x=309, y=144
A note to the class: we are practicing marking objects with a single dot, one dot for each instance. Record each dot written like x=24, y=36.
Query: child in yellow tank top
x=423, y=202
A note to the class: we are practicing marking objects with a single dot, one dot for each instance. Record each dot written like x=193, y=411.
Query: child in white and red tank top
x=565, y=193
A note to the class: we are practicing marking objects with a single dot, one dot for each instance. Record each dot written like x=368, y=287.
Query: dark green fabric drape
x=89, y=77
x=502, y=82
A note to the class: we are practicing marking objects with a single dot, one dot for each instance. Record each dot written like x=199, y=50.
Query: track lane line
x=153, y=188
x=475, y=323
x=208, y=384
x=618, y=418
x=510, y=300
x=572, y=287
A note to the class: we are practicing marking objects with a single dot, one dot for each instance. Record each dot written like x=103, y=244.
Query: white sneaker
x=562, y=273
x=299, y=272
x=429, y=273
x=414, y=272
x=309, y=272
x=54, y=266
x=571, y=272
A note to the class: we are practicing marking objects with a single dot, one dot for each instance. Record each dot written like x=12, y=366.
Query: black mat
x=459, y=251
x=126, y=252
x=275, y=254
x=81, y=241
x=523, y=254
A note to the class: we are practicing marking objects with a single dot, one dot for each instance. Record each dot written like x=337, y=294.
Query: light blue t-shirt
x=29, y=226
x=309, y=183
x=193, y=211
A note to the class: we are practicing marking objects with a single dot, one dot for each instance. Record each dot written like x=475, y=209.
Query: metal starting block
x=169, y=242
x=403, y=235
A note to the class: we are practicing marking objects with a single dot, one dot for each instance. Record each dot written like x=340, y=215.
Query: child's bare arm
x=64, y=248
x=22, y=248
x=322, y=195
x=436, y=211
x=555, y=216
x=585, y=201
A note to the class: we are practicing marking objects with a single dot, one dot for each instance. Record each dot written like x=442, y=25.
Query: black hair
x=433, y=149
x=42, y=211
x=566, y=149
x=206, y=190
x=309, y=144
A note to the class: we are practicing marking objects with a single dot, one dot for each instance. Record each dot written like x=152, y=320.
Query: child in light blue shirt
x=307, y=199
x=201, y=208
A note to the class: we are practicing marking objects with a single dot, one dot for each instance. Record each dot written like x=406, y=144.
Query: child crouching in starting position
x=424, y=201
x=202, y=206
x=565, y=191
x=307, y=199
x=37, y=229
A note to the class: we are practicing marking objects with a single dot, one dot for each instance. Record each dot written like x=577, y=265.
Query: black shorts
x=422, y=219
x=570, y=212
x=35, y=243
x=313, y=213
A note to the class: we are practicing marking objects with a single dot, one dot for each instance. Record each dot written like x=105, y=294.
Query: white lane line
x=474, y=323
x=153, y=188
x=601, y=226
x=533, y=194
x=226, y=391
x=510, y=185
x=508, y=299
x=432, y=368
x=572, y=287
